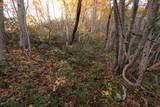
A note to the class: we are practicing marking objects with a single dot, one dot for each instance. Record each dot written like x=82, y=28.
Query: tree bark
x=144, y=60
x=115, y=7
x=2, y=33
x=150, y=22
x=24, y=37
x=66, y=22
x=119, y=15
x=94, y=16
x=108, y=24
x=77, y=21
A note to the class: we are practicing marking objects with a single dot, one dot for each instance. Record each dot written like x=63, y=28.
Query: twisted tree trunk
x=143, y=45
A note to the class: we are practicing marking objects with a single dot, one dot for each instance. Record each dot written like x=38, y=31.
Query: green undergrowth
x=60, y=76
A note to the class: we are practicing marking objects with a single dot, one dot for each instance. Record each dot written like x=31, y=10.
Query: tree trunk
x=108, y=24
x=119, y=20
x=132, y=22
x=147, y=48
x=143, y=45
x=94, y=16
x=2, y=33
x=67, y=30
x=144, y=60
x=24, y=37
x=77, y=21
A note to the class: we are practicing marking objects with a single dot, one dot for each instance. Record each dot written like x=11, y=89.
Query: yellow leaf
x=35, y=2
x=106, y=93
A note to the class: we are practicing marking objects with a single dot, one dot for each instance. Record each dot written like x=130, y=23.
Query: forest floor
x=61, y=77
